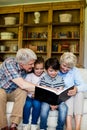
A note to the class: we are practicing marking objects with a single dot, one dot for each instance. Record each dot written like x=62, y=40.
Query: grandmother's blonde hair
x=24, y=55
x=69, y=58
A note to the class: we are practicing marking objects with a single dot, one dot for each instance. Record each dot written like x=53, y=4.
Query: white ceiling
x=19, y=2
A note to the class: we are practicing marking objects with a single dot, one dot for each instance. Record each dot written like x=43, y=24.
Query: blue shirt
x=9, y=70
x=73, y=77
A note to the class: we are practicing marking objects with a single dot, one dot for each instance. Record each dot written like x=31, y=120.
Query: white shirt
x=33, y=79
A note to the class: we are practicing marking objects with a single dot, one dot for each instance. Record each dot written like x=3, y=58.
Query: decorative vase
x=37, y=17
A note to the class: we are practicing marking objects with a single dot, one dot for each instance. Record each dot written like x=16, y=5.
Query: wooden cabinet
x=36, y=35
x=68, y=29
x=49, y=37
x=9, y=31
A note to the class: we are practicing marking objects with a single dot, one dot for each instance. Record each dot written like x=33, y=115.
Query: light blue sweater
x=73, y=77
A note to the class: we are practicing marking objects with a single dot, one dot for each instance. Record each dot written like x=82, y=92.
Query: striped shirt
x=9, y=70
x=55, y=82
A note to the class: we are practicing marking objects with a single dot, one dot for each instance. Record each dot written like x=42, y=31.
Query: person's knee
x=45, y=107
x=37, y=104
x=44, y=112
x=2, y=94
x=27, y=105
x=63, y=107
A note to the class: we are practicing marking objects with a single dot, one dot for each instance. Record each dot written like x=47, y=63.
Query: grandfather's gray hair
x=24, y=55
x=69, y=58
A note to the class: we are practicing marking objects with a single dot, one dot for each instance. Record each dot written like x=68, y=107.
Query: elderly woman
x=72, y=77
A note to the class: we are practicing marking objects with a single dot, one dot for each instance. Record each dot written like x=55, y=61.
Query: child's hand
x=53, y=107
x=60, y=89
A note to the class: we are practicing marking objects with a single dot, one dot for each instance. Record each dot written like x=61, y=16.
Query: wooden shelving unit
x=50, y=37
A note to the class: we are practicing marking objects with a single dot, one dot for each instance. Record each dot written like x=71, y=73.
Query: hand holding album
x=53, y=107
x=72, y=92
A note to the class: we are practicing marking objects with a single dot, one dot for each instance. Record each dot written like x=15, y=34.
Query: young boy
x=30, y=101
x=51, y=79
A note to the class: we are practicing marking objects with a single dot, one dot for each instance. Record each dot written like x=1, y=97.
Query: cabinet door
x=9, y=32
x=35, y=32
x=66, y=31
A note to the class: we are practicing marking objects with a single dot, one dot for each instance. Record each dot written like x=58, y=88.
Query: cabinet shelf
x=34, y=39
x=66, y=24
x=40, y=52
x=77, y=53
x=8, y=52
x=66, y=39
x=9, y=39
x=36, y=25
x=10, y=26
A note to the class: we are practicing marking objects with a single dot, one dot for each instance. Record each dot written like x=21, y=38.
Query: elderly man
x=13, y=86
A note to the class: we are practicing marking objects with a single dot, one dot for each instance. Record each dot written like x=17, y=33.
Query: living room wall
x=85, y=39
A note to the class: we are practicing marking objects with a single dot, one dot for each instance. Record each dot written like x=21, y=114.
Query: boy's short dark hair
x=52, y=62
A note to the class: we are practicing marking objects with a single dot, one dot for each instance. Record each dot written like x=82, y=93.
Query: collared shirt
x=9, y=70
x=73, y=77
x=56, y=82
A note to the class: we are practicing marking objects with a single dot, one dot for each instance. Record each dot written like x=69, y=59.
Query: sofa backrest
x=83, y=74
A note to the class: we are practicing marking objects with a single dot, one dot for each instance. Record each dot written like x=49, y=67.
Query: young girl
x=30, y=101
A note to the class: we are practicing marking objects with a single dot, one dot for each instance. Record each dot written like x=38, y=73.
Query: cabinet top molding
x=42, y=6
x=18, y=2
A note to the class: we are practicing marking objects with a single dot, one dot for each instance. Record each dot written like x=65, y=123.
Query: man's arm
x=23, y=84
x=28, y=86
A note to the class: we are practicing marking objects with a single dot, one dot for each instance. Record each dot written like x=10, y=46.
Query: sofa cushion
x=85, y=94
x=85, y=107
x=53, y=113
x=52, y=121
x=84, y=76
x=9, y=107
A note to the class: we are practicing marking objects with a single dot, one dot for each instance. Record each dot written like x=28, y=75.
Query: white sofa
x=52, y=119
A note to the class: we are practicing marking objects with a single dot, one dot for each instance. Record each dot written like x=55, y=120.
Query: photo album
x=52, y=97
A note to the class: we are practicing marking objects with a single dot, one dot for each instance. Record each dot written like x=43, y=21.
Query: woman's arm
x=72, y=92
